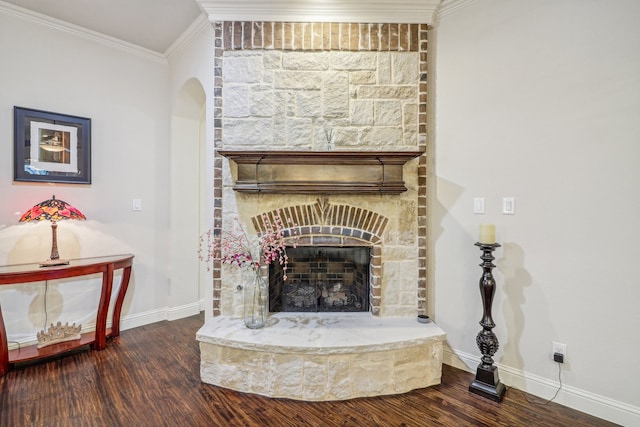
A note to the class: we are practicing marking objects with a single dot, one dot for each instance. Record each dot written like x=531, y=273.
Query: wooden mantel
x=314, y=172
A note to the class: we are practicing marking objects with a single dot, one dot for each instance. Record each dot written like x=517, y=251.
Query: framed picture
x=51, y=147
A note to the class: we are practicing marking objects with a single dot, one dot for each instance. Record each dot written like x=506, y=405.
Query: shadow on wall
x=76, y=298
x=516, y=279
x=31, y=242
x=440, y=197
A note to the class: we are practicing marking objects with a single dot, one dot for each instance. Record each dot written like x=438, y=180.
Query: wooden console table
x=25, y=273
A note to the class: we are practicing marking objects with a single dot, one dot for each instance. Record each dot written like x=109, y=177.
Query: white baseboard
x=140, y=319
x=175, y=313
x=544, y=388
x=166, y=313
x=132, y=321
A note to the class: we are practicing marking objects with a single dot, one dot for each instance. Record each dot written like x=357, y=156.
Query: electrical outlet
x=559, y=348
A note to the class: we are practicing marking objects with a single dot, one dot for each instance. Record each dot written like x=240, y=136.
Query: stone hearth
x=321, y=356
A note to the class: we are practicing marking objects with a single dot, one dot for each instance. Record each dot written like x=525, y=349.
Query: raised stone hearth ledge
x=321, y=356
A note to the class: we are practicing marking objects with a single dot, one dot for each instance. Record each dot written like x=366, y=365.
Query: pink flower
x=233, y=246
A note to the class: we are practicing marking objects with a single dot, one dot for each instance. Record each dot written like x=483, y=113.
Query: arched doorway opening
x=188, y=200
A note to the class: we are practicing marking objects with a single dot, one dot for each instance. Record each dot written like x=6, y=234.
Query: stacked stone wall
x=322, y=86
x=320, y=100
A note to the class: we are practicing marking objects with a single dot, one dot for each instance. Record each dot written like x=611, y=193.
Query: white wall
x=125, y=94
x=191, y=91
x=541, y=101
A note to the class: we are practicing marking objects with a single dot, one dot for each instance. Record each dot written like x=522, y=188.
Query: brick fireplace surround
x=325, y=86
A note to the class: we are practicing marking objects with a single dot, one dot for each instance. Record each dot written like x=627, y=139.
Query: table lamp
x=54, y=210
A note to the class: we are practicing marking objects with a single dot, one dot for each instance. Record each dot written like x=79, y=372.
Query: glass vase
x=256, y=302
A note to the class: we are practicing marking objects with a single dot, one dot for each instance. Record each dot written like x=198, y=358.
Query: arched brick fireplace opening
x=325, y=225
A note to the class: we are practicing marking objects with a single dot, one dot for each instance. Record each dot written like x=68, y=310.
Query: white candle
x=487, y=233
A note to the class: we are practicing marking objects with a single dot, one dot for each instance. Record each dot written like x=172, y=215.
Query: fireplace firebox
x=321, y=279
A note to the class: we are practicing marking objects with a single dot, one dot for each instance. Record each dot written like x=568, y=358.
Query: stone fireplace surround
x=287, y=86
x=324, y=356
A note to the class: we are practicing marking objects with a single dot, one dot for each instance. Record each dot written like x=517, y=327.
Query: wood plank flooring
x=149, y=376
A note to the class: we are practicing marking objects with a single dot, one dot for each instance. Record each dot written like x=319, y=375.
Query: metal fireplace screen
x=321, y=279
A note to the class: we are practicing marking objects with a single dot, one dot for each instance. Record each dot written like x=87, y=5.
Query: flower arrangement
x=235, y=248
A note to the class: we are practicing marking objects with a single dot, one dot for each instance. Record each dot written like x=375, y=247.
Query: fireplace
x=333, y=353
x=324, y=123
x=334, y=259
x=321, y=279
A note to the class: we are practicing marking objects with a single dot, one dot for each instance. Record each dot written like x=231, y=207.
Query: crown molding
x=371, y=11
x=450, y=6
x=186, y=38
x=76, y=30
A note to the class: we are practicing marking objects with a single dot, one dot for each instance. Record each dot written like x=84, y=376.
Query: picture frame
x=51, y=147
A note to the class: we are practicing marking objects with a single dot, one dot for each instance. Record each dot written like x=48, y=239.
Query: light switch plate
x=136, y=205
x=478, y=205
x=509, y=205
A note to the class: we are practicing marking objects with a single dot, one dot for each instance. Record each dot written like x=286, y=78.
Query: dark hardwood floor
x=149, y=376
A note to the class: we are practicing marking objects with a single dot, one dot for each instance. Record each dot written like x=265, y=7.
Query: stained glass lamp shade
x=53, y=210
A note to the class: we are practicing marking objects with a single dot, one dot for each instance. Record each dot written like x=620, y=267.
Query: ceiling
x=151, y=24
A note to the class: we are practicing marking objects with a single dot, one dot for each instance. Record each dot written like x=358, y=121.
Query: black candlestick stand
x=487, y=382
